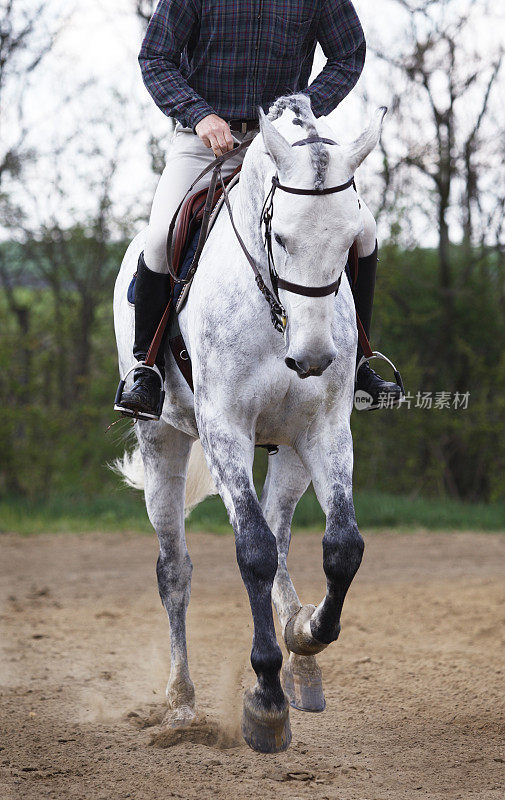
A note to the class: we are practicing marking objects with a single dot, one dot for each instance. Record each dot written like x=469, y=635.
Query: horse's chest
x=283, y=416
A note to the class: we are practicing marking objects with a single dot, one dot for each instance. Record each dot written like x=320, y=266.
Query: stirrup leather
x=128, y=412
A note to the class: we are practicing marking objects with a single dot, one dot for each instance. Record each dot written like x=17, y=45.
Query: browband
x=312, y=139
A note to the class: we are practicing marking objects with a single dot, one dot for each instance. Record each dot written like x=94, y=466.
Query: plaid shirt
x=227, y=57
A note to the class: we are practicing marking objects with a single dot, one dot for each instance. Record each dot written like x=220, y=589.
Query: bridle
x=277, y=311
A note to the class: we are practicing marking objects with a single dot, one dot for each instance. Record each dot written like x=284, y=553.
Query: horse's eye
x=279, y=240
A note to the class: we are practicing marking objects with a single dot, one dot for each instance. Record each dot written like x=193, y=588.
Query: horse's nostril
x=301, y=367
x=325, y=363
x=291, y=363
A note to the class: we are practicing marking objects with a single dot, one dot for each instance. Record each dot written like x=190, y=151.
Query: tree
x=442, y=87
x=443, y=184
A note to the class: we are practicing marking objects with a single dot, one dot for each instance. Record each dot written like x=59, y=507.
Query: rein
x=215, y=166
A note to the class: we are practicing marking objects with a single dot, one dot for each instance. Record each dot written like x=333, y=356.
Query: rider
x=210, y=65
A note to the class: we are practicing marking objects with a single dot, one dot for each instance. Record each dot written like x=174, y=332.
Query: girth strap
x=182, y=359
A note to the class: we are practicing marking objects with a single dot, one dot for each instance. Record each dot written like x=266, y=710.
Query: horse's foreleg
x=165, y=453
x=286, y=481
x=265, y=720
x=330, y=460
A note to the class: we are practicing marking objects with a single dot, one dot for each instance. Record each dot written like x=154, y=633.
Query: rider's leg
x=367, y=379
x=186, y=158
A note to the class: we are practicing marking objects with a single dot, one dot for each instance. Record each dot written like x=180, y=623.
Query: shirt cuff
x=197, y=112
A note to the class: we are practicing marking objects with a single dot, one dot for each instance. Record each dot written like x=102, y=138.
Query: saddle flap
x=190, y=215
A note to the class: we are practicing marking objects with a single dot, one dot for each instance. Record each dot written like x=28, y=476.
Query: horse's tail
x=199, y=483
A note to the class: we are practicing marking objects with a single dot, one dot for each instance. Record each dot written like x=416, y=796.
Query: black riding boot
x=383, y=393
x=152, y=293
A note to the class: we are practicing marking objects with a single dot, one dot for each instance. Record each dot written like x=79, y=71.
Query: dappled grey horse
x=245, y=394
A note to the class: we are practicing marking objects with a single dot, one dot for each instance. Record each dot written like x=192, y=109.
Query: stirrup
x=142, y=415
x=398, y=378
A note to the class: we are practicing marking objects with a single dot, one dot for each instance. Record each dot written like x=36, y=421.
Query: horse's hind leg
x=165, y=453
x=286, y=481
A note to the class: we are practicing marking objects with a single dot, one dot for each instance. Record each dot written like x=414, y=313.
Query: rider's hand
x=215, y=132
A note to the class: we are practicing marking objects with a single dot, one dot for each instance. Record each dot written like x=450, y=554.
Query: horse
x=255, y=386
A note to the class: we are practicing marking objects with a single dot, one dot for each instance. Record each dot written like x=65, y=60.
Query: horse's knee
x=257, y=555
x=255, y=543
x=343, y=548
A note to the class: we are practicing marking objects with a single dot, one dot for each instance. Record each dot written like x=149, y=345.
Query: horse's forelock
x=300, y=105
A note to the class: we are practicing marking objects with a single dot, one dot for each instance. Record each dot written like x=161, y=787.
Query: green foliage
x=58, y=374
x=454, y=346
x=55, y=413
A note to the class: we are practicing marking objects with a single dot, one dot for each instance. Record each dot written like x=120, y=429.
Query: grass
x=124, y=509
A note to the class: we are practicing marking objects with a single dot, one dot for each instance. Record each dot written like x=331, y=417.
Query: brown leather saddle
x=190, y=218
x=185, y=240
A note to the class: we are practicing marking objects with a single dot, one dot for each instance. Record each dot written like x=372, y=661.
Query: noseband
x=266, y=219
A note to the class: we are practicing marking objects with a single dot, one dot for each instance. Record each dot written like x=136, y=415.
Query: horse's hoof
x=303, y=684
x=181, y=717
x=298, y=636
x=265, y=731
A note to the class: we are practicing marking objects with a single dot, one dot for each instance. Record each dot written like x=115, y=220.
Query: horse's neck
x=247, y=208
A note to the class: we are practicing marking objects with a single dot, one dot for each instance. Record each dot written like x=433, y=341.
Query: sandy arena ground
x=414, y=687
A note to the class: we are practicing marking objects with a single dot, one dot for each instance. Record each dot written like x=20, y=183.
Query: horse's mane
x=299, y=104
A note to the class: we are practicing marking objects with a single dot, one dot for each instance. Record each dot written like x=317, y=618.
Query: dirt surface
x=414, y=687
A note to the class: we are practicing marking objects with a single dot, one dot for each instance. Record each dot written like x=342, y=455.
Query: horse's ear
x=278, y=148
x=358, y=150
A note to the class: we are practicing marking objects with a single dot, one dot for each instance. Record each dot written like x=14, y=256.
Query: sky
x=96, y=55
